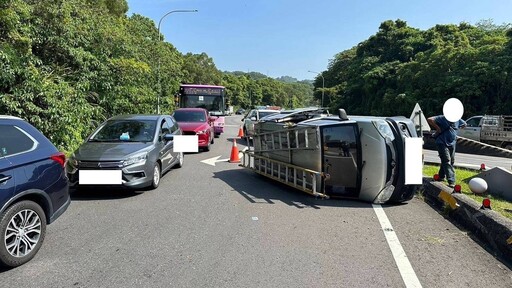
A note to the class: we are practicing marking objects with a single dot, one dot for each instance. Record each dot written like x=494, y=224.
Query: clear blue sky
x=290, y=37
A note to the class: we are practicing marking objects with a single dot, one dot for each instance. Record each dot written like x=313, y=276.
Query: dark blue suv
x=34, y=189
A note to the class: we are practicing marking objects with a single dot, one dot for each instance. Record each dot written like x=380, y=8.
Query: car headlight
x=138, y=158
x=72, y=160
x=201, y=132
x=384, y=129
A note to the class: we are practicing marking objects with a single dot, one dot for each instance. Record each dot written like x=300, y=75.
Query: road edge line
x=402, y=262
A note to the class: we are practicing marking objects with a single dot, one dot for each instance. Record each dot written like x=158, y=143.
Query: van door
x=341, y=153
x=472, y=130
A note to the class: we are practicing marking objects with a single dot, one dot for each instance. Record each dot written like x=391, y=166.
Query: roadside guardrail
x=469, y=146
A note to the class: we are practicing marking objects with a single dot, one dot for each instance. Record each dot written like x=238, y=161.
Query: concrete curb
x=489, y=226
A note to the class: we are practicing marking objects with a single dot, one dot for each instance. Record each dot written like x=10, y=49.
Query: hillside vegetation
x=67, y=65
x=400, y=65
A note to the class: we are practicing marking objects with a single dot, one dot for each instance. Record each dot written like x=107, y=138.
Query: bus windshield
x=210, y=103
x=209, y=97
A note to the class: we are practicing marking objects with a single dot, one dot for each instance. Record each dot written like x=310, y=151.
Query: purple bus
x=209, y=97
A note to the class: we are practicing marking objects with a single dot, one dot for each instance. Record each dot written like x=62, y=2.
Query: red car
x=196, y=121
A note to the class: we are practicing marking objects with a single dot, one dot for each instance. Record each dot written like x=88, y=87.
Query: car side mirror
x=168, y=137
x=253, y=118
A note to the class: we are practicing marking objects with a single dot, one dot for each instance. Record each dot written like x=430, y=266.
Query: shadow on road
x=259, y=189
x=239, y=140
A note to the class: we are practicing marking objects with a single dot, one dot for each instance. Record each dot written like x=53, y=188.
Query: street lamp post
x=160, y=39
x=323, y=85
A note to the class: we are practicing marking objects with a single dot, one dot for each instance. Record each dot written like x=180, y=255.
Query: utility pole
x=158, y=67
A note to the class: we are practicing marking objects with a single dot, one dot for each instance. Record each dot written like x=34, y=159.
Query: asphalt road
x=224, y=226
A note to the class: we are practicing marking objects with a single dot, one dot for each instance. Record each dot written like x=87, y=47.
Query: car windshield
x=126, y=130
x=189, y=116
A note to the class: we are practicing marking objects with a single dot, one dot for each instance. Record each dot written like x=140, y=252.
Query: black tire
x=216, y=135
x=6, y=258
x=181, y=160
x=156, y=180
x=213, y=141
x=207, y=148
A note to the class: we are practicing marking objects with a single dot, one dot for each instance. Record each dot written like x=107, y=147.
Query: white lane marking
x=213, y=160
x=404, y=266
x=255, y=218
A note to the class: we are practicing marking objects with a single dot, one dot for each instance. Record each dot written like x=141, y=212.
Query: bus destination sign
x=202, y=91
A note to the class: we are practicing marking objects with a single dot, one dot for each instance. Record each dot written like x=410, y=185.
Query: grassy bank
x=463, y=176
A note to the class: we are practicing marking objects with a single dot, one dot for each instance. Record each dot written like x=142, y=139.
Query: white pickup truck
x=491, y=129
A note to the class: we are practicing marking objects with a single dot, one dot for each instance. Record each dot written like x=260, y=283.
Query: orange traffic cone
x=240, y=132
x=235, y=158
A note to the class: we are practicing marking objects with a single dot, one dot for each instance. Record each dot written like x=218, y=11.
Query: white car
x=472, y=129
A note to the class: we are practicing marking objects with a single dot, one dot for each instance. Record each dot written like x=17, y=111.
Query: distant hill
x=253, y=75
x=287, y=79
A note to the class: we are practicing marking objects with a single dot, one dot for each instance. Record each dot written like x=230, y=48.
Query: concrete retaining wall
x=489, y=226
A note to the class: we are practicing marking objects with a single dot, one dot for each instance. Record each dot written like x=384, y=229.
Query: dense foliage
x=400, y=65
x=67, y=65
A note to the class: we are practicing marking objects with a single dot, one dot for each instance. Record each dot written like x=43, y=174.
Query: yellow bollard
x=449, y=199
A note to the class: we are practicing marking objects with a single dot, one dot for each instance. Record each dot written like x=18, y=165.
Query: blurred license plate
x=100, y=177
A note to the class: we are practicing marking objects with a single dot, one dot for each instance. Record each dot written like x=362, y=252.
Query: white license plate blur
x=413, y=161
x=100, y=177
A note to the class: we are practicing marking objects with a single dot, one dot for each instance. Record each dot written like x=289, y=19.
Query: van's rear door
x=341, y=158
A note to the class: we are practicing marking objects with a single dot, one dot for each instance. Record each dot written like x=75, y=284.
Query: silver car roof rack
x=297, y=115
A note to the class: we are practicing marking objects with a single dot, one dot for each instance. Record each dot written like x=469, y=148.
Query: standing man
x=446, y=138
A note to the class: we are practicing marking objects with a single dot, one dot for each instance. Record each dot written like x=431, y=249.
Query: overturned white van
x=359, y=157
